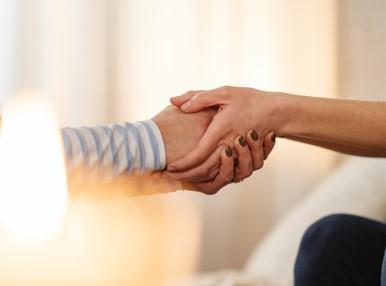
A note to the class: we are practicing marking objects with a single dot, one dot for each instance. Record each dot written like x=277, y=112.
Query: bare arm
x=353, y=127
x=347, y=126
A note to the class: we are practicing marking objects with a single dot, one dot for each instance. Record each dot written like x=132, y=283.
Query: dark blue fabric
x=341, y=250
x=384, y=270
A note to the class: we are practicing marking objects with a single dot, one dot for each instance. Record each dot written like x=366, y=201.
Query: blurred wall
x=7, y=47
x=58, y=48
x=103, y=60
x=362, y=46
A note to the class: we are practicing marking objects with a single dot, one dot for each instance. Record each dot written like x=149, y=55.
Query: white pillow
x=358, y=186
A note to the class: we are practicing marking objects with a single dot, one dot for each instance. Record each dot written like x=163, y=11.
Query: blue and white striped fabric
x=122, y=148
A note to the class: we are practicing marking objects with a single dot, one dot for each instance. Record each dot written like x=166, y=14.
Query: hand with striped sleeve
x=113, y=151
x=135, y=147
x=182, y=133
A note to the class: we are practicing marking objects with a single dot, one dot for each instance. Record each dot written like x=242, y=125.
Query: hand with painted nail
x=225, y=174
x=239, y=110
x=223, y=177
x=181, y=132
x=247, y=155
x=250, y=156
x=236, y=164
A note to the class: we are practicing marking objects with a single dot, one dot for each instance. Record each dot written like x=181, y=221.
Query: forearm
x=353, y=127
x=117, y=148
x=345, y=149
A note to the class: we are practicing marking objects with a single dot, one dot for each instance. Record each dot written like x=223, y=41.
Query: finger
x=255, y=144
x=269, y=143
x=179, y=100
x=244, y=168
x=203, y=150
x=202, y=172
x=224, y=177
x=206, y=99
x=211, y=176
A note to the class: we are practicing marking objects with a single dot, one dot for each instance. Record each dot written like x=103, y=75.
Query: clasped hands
x=224, y=135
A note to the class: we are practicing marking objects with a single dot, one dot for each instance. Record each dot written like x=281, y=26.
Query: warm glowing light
x=33, y=190
x=116, y=241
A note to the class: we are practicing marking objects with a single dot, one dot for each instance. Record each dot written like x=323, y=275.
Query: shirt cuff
x=156, y=158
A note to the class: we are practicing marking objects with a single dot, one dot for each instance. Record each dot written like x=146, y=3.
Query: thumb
x=179, y=100
x=223, y=178
x=205, y=147
x=201, y=101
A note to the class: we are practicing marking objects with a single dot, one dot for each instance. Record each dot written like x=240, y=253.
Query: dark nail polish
x=254, y=135
x=242, y=141
x=229, y=151
x=273, y=138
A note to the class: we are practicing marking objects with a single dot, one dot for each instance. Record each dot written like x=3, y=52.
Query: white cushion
x=358, y=186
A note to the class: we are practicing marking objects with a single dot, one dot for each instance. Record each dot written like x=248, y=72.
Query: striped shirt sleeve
x=121, y=148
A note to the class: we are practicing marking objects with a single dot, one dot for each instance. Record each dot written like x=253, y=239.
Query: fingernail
x=254, y=135
x=186, y=105
x=229, y=151
x=273, y=138
x=242, y=141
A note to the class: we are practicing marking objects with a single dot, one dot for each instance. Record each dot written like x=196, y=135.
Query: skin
x=232, y=119
x=352, y=127
x=182, y=132
x=177, y=130
x=348, y=126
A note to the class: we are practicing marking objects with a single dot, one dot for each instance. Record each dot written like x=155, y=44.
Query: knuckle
x=244, y=175
x=226, y=87
x=258, y=165
x=225, y=179
x=211, y=191
x=199, y=96
x=225, y=90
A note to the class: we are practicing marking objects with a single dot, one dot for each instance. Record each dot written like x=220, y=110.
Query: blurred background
x=121, y=60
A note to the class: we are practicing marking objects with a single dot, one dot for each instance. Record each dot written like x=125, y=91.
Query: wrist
x=157, y=144
x=166, y=134
x=286, y=112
